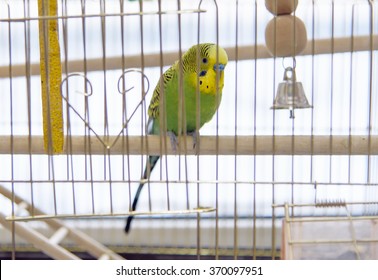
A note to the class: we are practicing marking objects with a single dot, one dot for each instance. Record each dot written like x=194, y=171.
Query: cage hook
x=293, y=65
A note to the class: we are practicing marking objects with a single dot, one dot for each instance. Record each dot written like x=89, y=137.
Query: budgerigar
x=203, y=64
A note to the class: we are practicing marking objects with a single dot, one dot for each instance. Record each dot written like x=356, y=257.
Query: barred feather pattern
x=189, y=65
x=153, y=109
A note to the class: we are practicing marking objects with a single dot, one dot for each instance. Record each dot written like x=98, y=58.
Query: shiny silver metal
x=290, y=93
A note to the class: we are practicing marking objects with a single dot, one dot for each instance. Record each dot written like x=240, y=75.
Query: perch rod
x=303, y=145
x=321, y=46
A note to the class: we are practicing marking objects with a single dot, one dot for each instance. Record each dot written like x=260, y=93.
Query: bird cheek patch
x=202, y=73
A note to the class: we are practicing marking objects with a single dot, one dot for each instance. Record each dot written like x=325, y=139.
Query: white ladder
x=50, y=246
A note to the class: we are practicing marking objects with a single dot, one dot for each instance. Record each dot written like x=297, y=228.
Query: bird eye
x=204, y=60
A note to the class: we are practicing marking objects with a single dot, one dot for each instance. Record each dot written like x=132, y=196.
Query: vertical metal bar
x=125, y=140
x=107, y=158
x=28, y=93
x=312, y=90
x=87, y=131
x=162, y=114
x=371, y=79
x=181, y=108
x=236, y=130
x=144, y=110
x=273, y=232
x=351, y=92
x=124, y=132
x=86, y=109
x=254, y=222
x=68, y=143
x=217, y=138
x=198, y=100
x=11, y=131
x=162, y=109
x=292, y=119
x=103, y=44
x=217, y=125
x=182, y=111
x=331, y=89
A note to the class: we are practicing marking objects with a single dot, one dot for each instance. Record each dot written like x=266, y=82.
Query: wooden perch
x=321, y=46
x=208, y=145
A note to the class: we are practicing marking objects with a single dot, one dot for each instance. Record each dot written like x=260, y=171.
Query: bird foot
x=174, y=141
x=195, y=136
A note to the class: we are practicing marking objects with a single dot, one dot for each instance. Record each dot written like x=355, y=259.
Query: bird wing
x=153, y=109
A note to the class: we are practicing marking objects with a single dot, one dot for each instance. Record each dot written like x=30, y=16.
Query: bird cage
x=296, y=125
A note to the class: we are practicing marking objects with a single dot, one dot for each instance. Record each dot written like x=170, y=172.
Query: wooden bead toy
x=281, y=7
x=285, y=36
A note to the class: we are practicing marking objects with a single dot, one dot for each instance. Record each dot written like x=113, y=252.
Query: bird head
x=205, y=57
x=205, y=64
x=217, y=58
x=213, y=60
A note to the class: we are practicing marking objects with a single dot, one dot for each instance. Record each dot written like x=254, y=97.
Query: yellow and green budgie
x=202, y=69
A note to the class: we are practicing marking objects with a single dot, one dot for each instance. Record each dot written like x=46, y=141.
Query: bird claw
x=174, y=141
x=195, y=136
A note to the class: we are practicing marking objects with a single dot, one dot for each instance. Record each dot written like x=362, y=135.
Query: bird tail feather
x=147, y=171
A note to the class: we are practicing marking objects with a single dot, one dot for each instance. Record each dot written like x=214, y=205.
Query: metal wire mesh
x=220, y=199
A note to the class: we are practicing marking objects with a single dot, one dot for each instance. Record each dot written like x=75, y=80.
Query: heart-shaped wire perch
x=89, y=92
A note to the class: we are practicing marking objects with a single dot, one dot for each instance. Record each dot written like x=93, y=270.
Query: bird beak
x=219, y=67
